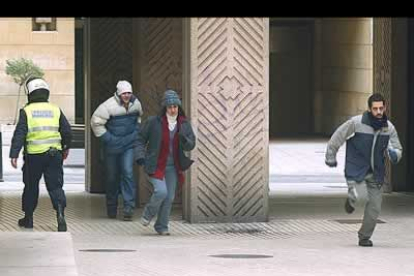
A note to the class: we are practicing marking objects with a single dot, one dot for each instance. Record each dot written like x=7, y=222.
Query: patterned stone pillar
x=109, y=59
x=160, y=66
x=226, y=71
x=382, y=72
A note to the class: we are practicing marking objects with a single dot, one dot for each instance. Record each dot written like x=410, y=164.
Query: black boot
x=61, y=219
x=26, y=222
x=365, y=243
x=348, y=208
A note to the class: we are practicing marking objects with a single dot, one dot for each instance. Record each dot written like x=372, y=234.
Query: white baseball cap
x=37, y=84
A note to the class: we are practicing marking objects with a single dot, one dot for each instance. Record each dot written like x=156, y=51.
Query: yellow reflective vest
x=43, y=127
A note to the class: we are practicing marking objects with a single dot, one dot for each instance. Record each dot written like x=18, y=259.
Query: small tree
x=21, y=70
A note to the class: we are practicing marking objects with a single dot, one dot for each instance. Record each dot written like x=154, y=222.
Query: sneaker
x=164, y=233
x=26, y=222
x=348, y=208
x=128, y=216
x=145, y=221
x=365, y=243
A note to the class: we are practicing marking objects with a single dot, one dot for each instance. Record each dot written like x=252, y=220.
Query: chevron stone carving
x=111, y=58
x=382, y=73
x=111, y=50
x=161, y=69
x=229, y=180
x=160, y=60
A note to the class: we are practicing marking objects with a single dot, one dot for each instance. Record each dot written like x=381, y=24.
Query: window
x=44, y=24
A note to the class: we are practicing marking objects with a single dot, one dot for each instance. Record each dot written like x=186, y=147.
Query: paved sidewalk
x=308, y=232
x=46, y=254
x=306, y=235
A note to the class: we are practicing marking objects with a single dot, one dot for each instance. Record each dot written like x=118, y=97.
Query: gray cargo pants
x=368, y=192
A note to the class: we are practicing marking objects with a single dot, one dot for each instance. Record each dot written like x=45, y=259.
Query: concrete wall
x=343, y=70
x=291, y=77
x=52, y=51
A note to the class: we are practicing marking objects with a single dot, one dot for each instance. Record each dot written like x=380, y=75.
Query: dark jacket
x=20, y=133
x=116, y=126
x=150, y=142
x=365, y=148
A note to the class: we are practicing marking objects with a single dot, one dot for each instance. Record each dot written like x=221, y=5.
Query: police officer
x=45, y=134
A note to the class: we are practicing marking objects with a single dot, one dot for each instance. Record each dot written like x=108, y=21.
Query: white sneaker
x=145, y=221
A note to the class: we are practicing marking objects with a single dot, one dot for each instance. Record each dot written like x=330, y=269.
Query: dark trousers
x=50, y=165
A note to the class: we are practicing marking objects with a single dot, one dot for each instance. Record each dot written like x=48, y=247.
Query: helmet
x=35, y=84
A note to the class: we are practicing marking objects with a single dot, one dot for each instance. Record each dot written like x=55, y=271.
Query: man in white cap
x=116, y=122
x=45, y=134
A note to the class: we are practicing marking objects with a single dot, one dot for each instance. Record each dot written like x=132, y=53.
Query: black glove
x=331, y=164
x=140, y=161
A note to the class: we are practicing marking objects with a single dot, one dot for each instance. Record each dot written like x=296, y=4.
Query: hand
x=65, y=154
x=331, y=163
x=13, y=162
x=140, y=161
x=392, y=154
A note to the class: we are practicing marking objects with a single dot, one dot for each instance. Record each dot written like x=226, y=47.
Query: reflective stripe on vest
x=43, y=142
x=43, y=127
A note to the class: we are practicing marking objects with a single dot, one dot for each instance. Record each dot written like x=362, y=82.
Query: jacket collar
x=180, y=118
x=367, y=121
x=119, y=101
x=365, y=118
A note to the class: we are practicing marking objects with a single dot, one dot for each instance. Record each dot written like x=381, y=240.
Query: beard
x=378, y=121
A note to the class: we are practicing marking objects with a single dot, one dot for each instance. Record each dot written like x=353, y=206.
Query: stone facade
x=53, y=51
x=343, y=70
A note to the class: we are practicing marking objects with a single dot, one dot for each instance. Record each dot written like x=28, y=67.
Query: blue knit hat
x=171, y=98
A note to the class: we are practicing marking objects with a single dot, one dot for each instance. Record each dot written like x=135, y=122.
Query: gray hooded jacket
x=365, y=148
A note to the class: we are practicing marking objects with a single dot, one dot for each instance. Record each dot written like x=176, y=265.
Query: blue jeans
x=162, y=198
x=120, y=176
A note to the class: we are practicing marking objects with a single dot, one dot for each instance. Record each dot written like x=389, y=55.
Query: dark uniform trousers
x=50, y=165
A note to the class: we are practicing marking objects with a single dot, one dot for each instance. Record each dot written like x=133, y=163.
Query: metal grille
x=94, y=222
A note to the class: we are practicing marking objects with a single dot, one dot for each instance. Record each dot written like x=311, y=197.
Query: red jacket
x=164, y=151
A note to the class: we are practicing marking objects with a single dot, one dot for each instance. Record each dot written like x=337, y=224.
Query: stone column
x=160, y=68
x=382, y=63
x=226, y=64
x=109, y=54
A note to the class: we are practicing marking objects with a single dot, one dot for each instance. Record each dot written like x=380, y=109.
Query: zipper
x=373, y=148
